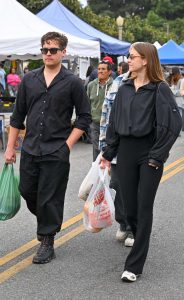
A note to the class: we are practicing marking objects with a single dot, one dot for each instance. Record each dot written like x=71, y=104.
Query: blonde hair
x=153, y=67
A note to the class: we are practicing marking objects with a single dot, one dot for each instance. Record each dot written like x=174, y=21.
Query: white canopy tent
x=157, y=45
x=21, y=32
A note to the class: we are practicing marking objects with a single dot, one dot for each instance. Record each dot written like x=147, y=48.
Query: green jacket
x=97, y=93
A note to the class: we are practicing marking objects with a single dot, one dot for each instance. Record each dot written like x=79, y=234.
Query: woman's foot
x=129, y=276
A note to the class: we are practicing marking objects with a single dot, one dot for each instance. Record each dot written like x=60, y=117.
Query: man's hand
x=10, y=156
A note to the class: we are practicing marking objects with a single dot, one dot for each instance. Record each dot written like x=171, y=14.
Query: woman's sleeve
x=168, y=124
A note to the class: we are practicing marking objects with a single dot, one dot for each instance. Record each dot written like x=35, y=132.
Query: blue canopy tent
x=171, y=54
x=182, y=45
x=58, y=15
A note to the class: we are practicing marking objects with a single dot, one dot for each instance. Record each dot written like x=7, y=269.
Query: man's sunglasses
x=51, y=50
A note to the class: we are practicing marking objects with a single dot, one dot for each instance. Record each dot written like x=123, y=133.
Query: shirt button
x=41, y=124
x=40, y=134
x=42, y=112
x=44, y=101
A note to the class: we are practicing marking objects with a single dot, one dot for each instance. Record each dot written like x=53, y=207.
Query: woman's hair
x=175, y=75
x=12, y=68
x=89, y=70
x=153, y=67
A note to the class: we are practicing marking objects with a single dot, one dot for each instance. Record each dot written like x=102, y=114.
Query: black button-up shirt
x=48, y=110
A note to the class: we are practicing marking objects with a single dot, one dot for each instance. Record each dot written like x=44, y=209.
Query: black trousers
x=43, y=182
x=120, y=215
x=95, y=133
x=139, y=183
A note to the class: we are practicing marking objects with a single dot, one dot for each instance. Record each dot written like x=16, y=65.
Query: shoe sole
x=128, y=280
x=40, y=262
x=128, y=245
x=125, y=279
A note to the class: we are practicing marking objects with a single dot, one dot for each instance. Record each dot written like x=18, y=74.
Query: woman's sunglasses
x=51, y=50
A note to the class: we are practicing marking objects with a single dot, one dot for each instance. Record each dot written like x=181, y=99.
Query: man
x=124, y=233
x=46, y=97
x=94, y=74
x=97, y=90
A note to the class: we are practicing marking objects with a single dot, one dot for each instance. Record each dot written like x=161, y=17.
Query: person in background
x=13, y=82
x=97, y=91
x=177, y=87
x=122, y=68
x=88, y=73
x=94, y=73
x=124, y=233
x=144, y=124
x=2, y=80
x=46, y=99
x=26, y=70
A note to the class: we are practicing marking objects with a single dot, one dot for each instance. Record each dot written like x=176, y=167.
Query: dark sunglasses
x=51, y=50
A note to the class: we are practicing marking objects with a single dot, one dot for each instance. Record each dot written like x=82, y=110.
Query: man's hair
x=55, y=36
x=105, y=62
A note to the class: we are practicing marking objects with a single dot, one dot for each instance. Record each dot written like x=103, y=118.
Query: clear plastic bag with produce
x=89, y=180
x=99, y=208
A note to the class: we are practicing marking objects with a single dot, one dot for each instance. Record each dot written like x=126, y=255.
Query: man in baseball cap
x=109, y=59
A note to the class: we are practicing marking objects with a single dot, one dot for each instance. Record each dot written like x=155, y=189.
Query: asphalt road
x=89, y=266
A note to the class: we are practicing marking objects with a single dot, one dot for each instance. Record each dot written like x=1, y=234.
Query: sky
x=83, y=2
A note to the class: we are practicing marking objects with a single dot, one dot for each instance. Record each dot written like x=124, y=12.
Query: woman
x=13, y=82
x=144, y=124
x=177, y=87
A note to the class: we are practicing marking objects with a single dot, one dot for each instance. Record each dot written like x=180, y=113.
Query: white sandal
x=128, y=276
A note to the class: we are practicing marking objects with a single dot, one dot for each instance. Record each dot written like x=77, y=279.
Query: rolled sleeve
x=82, y=106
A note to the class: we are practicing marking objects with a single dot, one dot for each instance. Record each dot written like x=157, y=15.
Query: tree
x=170, y=9
x=124, y=8
x=145, y=20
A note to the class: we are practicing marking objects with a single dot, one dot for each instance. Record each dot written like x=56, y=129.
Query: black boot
x=45, y=252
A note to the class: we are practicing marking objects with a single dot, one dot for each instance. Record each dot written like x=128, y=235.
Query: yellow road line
x=173, y=164
x=172, y=173
x=28, y=261
x=31, y=244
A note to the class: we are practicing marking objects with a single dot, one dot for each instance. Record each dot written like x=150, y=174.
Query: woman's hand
x=104, y=163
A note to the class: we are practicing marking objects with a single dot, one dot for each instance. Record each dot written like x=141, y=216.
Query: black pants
x=120, y=214
x=43, y=182
x=139, y=183
x=95, y=133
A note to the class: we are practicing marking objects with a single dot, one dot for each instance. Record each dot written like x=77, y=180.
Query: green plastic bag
x=9, y=193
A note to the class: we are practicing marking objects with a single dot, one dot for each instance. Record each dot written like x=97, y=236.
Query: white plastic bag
x=89, y=180
x=99, y=208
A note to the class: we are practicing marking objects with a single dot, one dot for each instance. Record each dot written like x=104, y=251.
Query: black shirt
x=136, y=114
x=48, y=110
x=135, y=110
